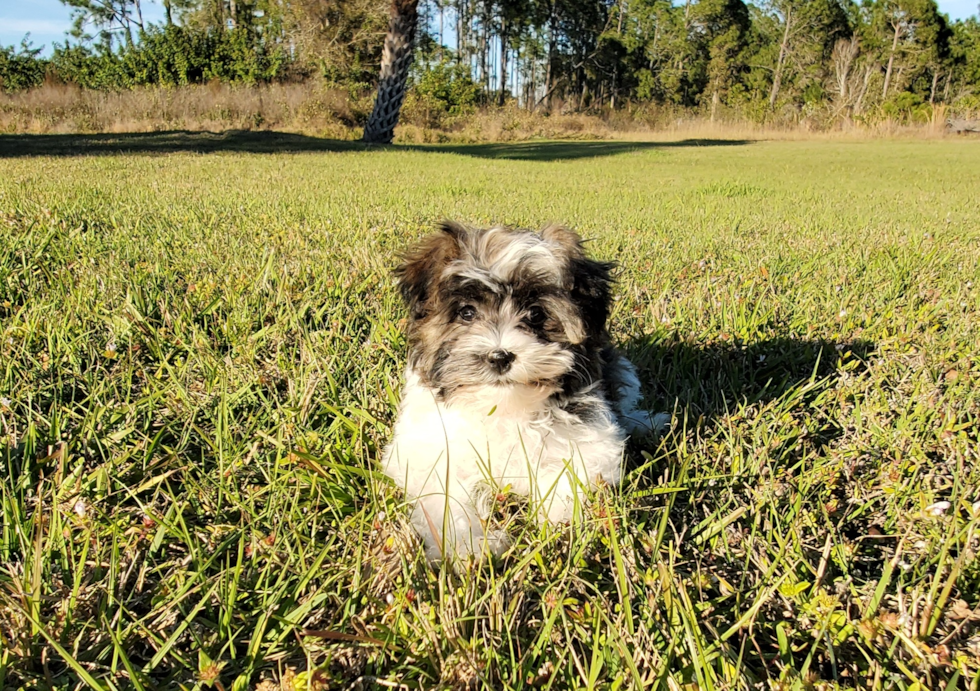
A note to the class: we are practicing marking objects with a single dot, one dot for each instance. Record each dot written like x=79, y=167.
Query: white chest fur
x=444, y=456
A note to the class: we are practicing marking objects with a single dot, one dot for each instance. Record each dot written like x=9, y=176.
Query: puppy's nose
x=500, y=360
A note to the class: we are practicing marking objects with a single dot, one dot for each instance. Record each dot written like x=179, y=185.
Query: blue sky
x=48, y=20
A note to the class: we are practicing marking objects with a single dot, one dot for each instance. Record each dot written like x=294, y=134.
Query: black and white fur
x=511, y=382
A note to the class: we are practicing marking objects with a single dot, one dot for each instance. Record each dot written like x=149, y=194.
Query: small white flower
x=937, y=509
x=382, y=515
x=390, y=599
x=4, y=402
x=79, y=508
x=843, y=313
x=976, y=507
x=762, y=358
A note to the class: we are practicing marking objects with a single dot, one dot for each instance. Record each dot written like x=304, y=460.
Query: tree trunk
x=891, y=61
x=459, y=31
x=845, y=51
x=935, y=83
x=868, y=71
x=395, y=61
x=168, y=13
x=549, y=80
x=503, y=62
x=484, y=48
x=532, y=84
x=783, y=47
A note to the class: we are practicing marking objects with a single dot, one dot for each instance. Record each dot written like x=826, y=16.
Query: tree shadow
x=271, y=142
x=172, y=141
x=705, y=382
x=565, y=150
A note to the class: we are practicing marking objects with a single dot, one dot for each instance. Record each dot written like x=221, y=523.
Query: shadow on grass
x=782, y=378
x=174, y=141
x=565, y=150
x=240, y=141
x=709, y=381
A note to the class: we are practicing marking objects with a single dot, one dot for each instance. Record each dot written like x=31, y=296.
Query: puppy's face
x=503, y=307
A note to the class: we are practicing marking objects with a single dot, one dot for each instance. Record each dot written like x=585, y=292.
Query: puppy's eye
x=536, y=315
x=467, y=313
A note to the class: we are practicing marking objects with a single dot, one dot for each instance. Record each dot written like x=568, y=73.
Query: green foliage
x=907, y=107
x=173, y=56
x=965, y=50
x=91, y=69
x=446, y=85
x=21, y=69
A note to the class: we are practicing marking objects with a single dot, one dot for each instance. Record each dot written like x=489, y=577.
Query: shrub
x=174, y=56
x=21, y=69
x=447, y=85
x=907, y=107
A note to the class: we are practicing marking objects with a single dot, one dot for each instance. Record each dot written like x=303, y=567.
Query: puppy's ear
x=588, y=281
x=422, y=265
x=568, y=240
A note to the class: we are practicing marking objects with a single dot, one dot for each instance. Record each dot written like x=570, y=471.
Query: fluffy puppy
x=511, y=382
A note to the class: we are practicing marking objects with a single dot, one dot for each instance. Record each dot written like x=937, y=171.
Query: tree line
x=775, y=60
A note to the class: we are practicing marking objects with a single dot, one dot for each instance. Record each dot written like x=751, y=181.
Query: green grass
x=200, y=359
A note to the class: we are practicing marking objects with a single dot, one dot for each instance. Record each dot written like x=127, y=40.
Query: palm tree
x=395, y=61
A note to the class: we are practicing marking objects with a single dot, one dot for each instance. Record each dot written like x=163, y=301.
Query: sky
x=48, y=20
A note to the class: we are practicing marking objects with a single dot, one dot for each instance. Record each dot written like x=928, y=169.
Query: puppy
x=512, y=382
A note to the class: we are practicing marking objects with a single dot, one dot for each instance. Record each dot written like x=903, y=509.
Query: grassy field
x=199, y=363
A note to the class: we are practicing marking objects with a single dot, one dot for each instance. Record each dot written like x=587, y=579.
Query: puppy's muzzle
x=501, y=360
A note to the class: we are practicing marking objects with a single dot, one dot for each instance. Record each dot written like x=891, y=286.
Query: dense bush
x=907, y=107
x=21, y=69
x=446, y=85
x=177, y=56
x=165, y=56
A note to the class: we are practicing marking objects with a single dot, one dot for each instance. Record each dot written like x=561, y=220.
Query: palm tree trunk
x=395, y=61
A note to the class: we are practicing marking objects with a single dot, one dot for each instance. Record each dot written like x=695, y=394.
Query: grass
x=200, y=358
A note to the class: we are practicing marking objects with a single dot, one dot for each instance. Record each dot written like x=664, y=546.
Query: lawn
x=200, y=360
